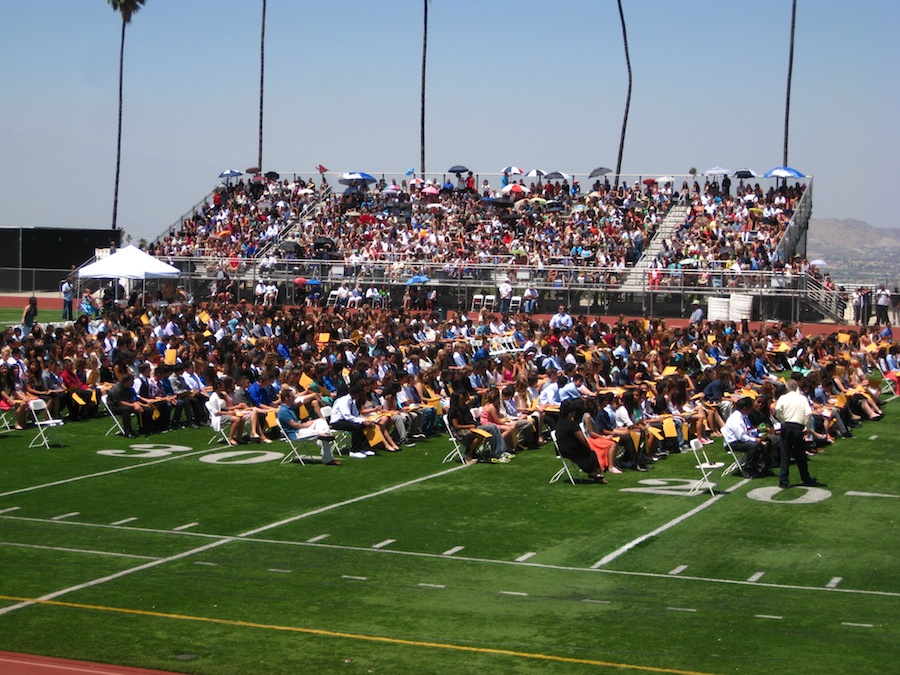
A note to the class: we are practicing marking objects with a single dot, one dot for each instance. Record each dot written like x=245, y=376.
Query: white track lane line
x=605, y=560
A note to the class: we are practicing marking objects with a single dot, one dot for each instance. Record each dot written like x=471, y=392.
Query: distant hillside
x=855, y=251
x=850, y=232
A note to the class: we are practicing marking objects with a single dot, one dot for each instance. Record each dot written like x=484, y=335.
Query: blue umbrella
x=356, y=177
x=231, y=173
x=457, y=168
x=783, y=172
x=313, y=282
x=418, y=279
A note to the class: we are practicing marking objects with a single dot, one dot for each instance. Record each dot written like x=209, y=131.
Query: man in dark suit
x=123, y=402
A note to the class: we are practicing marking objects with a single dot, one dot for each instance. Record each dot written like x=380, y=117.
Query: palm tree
x=262, y=62
x=422, y=119
x=127, y=9
x=627, y=98
x=787, y=103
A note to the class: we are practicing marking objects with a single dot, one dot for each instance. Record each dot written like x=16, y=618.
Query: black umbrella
x=556, y=175
x=457, y=168
x=323, y=242
x=599, y=171
x=745, y=173
x=272, y=175
x=502, y=203
x=288, y=246
x=252, y=169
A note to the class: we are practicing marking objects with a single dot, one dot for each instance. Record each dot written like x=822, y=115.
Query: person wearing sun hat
x=696, y=312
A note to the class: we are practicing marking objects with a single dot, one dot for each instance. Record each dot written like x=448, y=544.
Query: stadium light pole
x=262, y=73
x=627, y=97
x=422, y=117
x=787, y=102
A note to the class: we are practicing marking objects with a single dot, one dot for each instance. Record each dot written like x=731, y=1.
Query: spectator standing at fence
x=505, y=291
x=882, y=303
x=68, y=293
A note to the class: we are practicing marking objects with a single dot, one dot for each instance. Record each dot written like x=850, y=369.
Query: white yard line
x=205, y=547
x=66, y=515
x=854, y=493
x=347, y=502
x=756, y=576
x=678, y=570
x=768, y=616
x=833, y=583
x=526, y=556
x=74, y=479
x=124, y=520
x=453, y=551
x=382, y=544
x=186, y=526
x=605, y=560
x=488, y=561
x=88, y=551
x=117, y=575
x=313, y=540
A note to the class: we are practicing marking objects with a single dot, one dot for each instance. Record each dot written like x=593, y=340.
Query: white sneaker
x=368, y=453
x=358, y=455
x=614, y=469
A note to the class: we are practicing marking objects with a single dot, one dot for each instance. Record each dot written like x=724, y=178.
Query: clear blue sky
x=536, y=84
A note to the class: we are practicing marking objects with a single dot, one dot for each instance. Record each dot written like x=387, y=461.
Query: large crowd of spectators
x=398, y=371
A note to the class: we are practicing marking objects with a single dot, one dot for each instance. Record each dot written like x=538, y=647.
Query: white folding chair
x=736, y=463
x=458, y=451
x=4, y=420
x=706, y=469
x=342, y=439
x=117, y=427
x=489, y=302
x=564, y=471
x=515, y=304
x=477, y=302
x=332, y=299
x=295, y=445
x=46, y=424
x=219, y=429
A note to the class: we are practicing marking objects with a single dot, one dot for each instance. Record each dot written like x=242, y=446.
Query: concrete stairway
x=636, y=277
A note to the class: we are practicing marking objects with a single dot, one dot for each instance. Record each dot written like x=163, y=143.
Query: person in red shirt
x=80, y=398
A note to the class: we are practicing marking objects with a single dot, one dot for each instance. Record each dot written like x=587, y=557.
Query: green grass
x=13, y=317
x=271, y=602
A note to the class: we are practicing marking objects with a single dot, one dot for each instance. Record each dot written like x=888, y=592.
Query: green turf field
x=175, y=554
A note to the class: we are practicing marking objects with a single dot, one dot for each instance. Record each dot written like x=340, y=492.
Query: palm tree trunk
x=422, y=118
x=787, y=102
x=628, y=97
x=262, y=72
x=119, y=137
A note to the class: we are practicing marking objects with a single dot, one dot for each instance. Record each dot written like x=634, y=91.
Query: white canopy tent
x=129, y=263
